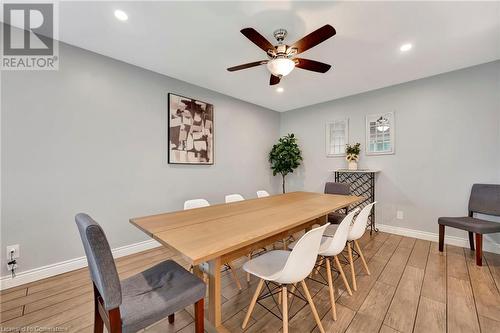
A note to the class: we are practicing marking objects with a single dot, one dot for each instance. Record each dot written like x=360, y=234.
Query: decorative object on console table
x=352, y=155
x=362, y=183
x=190, y=131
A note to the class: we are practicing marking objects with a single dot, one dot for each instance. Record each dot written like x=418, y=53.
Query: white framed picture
x=380, y=134
x=337, y=136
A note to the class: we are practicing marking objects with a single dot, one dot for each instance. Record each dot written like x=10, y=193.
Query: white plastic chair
x=287, y=267
x=331, y=246
x=357, y=231
x=234, y=198
x=262, y=194
x=195, y=203
x=199, y=203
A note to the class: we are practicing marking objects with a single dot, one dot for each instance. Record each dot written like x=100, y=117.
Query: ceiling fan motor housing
x=280, y=35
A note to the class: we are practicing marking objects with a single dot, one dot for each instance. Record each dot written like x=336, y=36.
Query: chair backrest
x=485, y=199
x=234, y=198
x=262, y=194
x=195, y=203
x=303, y=257
x=359, y=226
x=337, y=188
x=100, y=259
x=336, y=244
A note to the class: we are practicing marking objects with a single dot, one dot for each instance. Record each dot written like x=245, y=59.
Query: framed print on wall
x=190, y=131
x=380, y=134
x=337, y=136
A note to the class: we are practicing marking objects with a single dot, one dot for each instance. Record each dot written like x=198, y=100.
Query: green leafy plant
x=285, y=156
x=352, y=152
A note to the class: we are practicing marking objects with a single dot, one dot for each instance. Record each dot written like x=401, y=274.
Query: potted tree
x=285, y=156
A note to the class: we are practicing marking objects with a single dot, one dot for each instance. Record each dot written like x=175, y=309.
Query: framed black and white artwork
x=380, y=134
x=190, y=131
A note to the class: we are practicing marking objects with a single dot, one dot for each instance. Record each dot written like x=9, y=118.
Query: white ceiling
x=197, y=41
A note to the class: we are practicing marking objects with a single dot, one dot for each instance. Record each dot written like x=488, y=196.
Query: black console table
x=362, y=183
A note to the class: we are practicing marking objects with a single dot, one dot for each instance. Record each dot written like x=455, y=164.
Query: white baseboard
x=488, y=244
x=69, y=265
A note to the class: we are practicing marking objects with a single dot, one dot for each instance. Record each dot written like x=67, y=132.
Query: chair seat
x=156, y=293
x=475, y=225
x=267, y=265
x=336, y=217
x=324, y=241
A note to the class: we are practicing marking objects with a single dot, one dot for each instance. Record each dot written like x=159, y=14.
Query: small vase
x=353, y=165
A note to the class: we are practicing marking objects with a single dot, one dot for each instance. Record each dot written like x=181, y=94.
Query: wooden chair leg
x=441, y=238
x=330, y=287
x=351, y=263
x=358, y=248
x=171, y=318
x=252, y=303
x=199, y=316
x=285, y=310
x=342, y=275
x=248, y=274
x=235, y=277
x=471, y=240
x=479, y=249
x=313, y=308
x=98, y=322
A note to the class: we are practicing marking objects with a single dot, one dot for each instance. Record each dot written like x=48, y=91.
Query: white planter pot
x=353, y=165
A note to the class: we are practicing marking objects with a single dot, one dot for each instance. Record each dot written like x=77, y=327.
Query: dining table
x=221, y=233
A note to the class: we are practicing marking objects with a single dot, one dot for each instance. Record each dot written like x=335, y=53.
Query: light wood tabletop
x=221, y=233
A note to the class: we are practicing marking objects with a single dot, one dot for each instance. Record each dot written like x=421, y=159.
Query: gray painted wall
x=91, y=137
x=447, y=137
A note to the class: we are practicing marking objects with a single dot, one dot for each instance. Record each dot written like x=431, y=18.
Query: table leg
x=214, y=292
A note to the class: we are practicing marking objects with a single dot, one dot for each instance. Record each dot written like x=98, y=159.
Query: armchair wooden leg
x=330, y=287
x=285, y=310
x=313, y=308
x=98, y=322
x=441, y=238
x=479, y=249
x=358, y=248
x=252, y=303
x=471, y=240
x=171, y=318
x=199, y=316
x=351, y=263
x=342, y=275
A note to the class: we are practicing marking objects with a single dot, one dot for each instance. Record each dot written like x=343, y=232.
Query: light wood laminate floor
x=412, y=288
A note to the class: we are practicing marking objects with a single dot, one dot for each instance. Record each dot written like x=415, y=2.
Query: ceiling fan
x=282, y=57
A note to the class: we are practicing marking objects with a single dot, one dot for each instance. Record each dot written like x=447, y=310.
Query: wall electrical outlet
x=14, y=248
x=400, y=215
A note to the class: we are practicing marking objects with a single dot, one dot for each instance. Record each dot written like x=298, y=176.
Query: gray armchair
x=337, y=188
x=484, y=199
x=140, y=300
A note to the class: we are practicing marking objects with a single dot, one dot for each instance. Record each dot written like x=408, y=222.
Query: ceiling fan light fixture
x=280, y=66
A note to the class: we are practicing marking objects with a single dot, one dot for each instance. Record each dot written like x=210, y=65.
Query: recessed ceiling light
x=406, y=47
x=121, y=15
x=280, y=89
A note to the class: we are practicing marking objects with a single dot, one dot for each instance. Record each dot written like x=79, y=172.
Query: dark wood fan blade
x=314, y=38
x=274, y=80
x=312, y=65
x=245, y=66
x=257, y=39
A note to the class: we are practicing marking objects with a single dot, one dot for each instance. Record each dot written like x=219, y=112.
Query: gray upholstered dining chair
x=342, y=189
x=142, y=299
x=484, y=199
